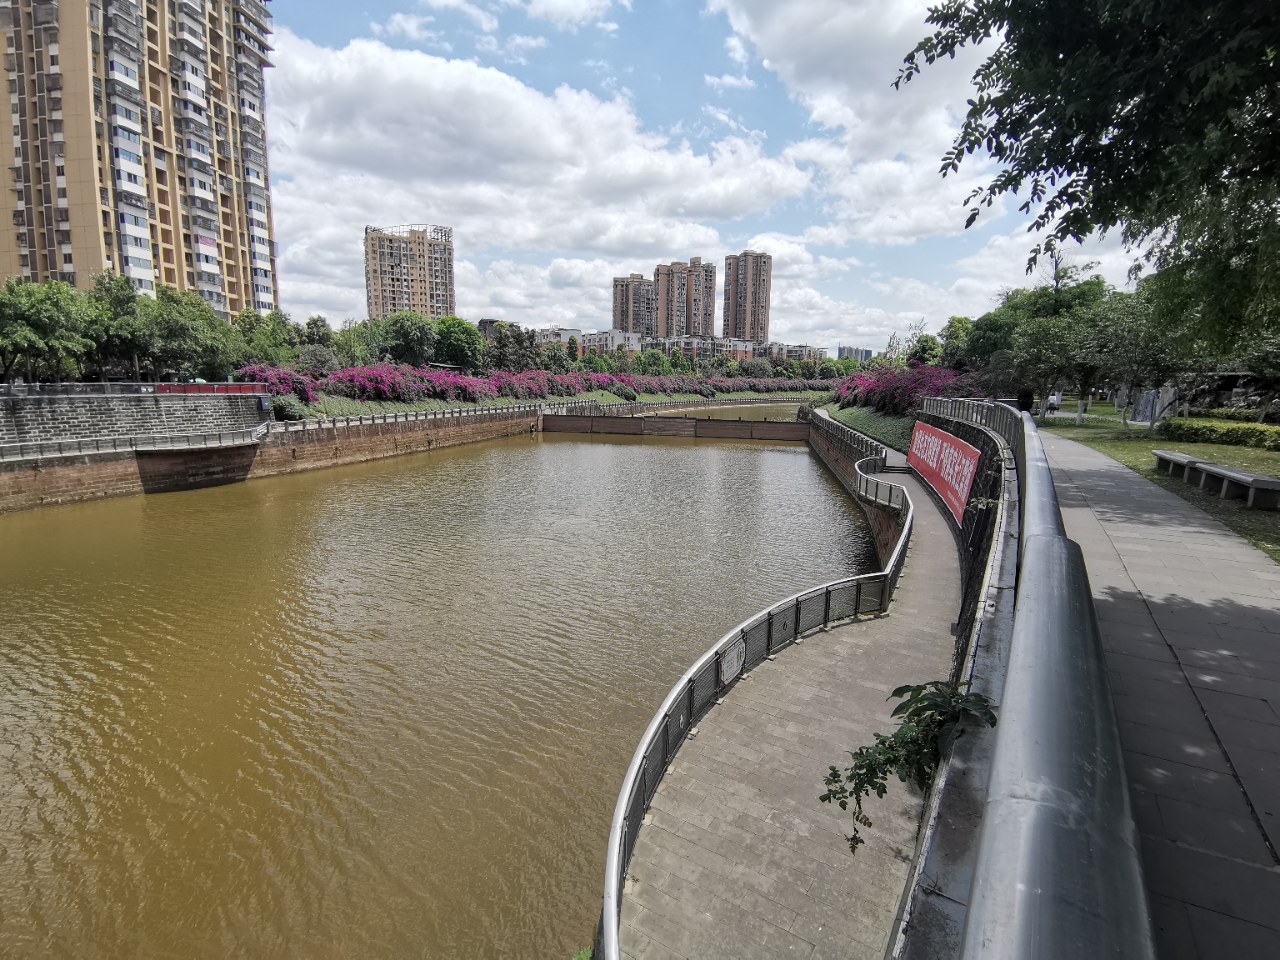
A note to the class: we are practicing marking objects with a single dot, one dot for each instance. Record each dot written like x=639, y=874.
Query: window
x=66, y=259
x=123, y=154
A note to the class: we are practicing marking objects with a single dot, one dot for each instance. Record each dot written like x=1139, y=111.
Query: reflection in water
x=379, y=711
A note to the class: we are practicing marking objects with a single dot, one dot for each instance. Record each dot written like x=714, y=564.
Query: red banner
x=946, y=463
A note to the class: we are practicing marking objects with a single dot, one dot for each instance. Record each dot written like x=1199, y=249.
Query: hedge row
x=1231, y=434
x=1238, y=414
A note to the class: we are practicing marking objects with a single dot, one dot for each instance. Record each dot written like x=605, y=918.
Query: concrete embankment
x=49, y=480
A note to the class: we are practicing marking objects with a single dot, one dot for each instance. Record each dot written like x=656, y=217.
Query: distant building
x=409, y=267
x=747, y=291
x=488, y=325
x=608, y=341
x=556, y=335
x=854, y=353
x=635, y=307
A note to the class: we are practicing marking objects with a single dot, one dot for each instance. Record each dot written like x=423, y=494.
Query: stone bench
x=1257, y=490
x=1170, y=461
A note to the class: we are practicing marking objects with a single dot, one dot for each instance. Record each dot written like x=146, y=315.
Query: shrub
x=317, y=361
x=1231, y=434
x=288, y=407
x=1238, y=414
x=898, y=390
x=280, y=381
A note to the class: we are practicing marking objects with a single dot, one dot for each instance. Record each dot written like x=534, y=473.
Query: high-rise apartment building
x=854, y=353
x=747, y=287
x=685, y=294
x=409, y=267
x=635, y=307
x=671, y=293
x=139, y=145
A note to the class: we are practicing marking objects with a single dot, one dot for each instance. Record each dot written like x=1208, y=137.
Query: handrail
x=1058, y=871
x=89, y=445
x=130, y=388
x=741, y=649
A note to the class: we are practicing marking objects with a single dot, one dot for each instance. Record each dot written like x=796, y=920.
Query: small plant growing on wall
x=930, y=718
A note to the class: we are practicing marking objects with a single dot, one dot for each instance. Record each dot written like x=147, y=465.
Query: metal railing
x=742, y=649
x=1058, y=871
x=453, y=414
x=126, y=389
x=180, y=441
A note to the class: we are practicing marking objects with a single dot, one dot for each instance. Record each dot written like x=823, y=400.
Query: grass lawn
x=328, y=406
x=1104, y=433
x=893, y=432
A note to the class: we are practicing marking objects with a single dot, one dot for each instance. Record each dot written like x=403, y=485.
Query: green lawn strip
x=893, y=432
x=329, y=406
x=1134, y=450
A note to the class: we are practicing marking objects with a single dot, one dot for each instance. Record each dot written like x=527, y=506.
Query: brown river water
x=374, y=711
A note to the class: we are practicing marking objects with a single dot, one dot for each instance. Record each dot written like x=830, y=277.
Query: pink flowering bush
x=899, y=390
x=402, y=383
x=280, y=381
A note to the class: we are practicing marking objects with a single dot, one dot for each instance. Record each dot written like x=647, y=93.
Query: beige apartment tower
x=139, y=145
x=747, y=288
x=685, y=297
x=635, y=307
x=409, y=267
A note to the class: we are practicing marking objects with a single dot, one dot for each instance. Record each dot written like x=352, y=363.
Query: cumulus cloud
x=572, y=14
x=510, y=168
x=736, y=49
x=483, y=19
x=729, y=81
x=513, y=49
x=411, y=27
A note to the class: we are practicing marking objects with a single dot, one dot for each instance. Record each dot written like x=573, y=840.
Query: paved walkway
x=1190, y=617
x=738, y=859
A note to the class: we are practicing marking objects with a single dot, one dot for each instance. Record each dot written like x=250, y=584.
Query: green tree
x=410, y=338
x=41, y=325
x=318, y=332
x=829, y=369
x=113, y=325
x=652, y=363
x=1136, y=348
x=955, y=341
x=572, y=349
x=926, y=350
x=458, y=344
x=1156, y=118
x=554, y=358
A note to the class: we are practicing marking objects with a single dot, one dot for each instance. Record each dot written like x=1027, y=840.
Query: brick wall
x=34, y=483
x=34, y=419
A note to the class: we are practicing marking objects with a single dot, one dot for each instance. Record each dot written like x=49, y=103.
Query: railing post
x=826, y=607
x=796, y=631
x=768, y=637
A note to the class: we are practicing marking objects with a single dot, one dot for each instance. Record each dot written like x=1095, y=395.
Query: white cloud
x=736, y=49
x=483, y=19
x=513, y=49
x=520, y=175
x=572, y=14
x=411, y=27
x=728, y=82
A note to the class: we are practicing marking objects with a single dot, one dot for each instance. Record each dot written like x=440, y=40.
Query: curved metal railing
x=740, y=650
x=1058, y=871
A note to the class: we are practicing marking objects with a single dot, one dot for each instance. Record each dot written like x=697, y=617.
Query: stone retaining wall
x=677, y=427
x=33, y=483
x=36, y=419
x=885, y=522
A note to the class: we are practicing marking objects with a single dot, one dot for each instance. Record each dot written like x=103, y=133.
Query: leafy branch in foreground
x=930, y=719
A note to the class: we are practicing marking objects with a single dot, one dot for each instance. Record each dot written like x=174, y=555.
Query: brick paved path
x=738, y=858
x=1190, y=617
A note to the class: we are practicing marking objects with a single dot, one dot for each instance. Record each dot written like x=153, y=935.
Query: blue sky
x=568, y=141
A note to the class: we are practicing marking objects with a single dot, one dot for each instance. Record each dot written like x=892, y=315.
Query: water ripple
x=372, y=711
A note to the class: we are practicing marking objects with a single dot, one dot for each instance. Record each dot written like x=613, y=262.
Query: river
x=373, y=711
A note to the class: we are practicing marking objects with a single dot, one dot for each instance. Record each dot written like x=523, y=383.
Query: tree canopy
x=1157, y=117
